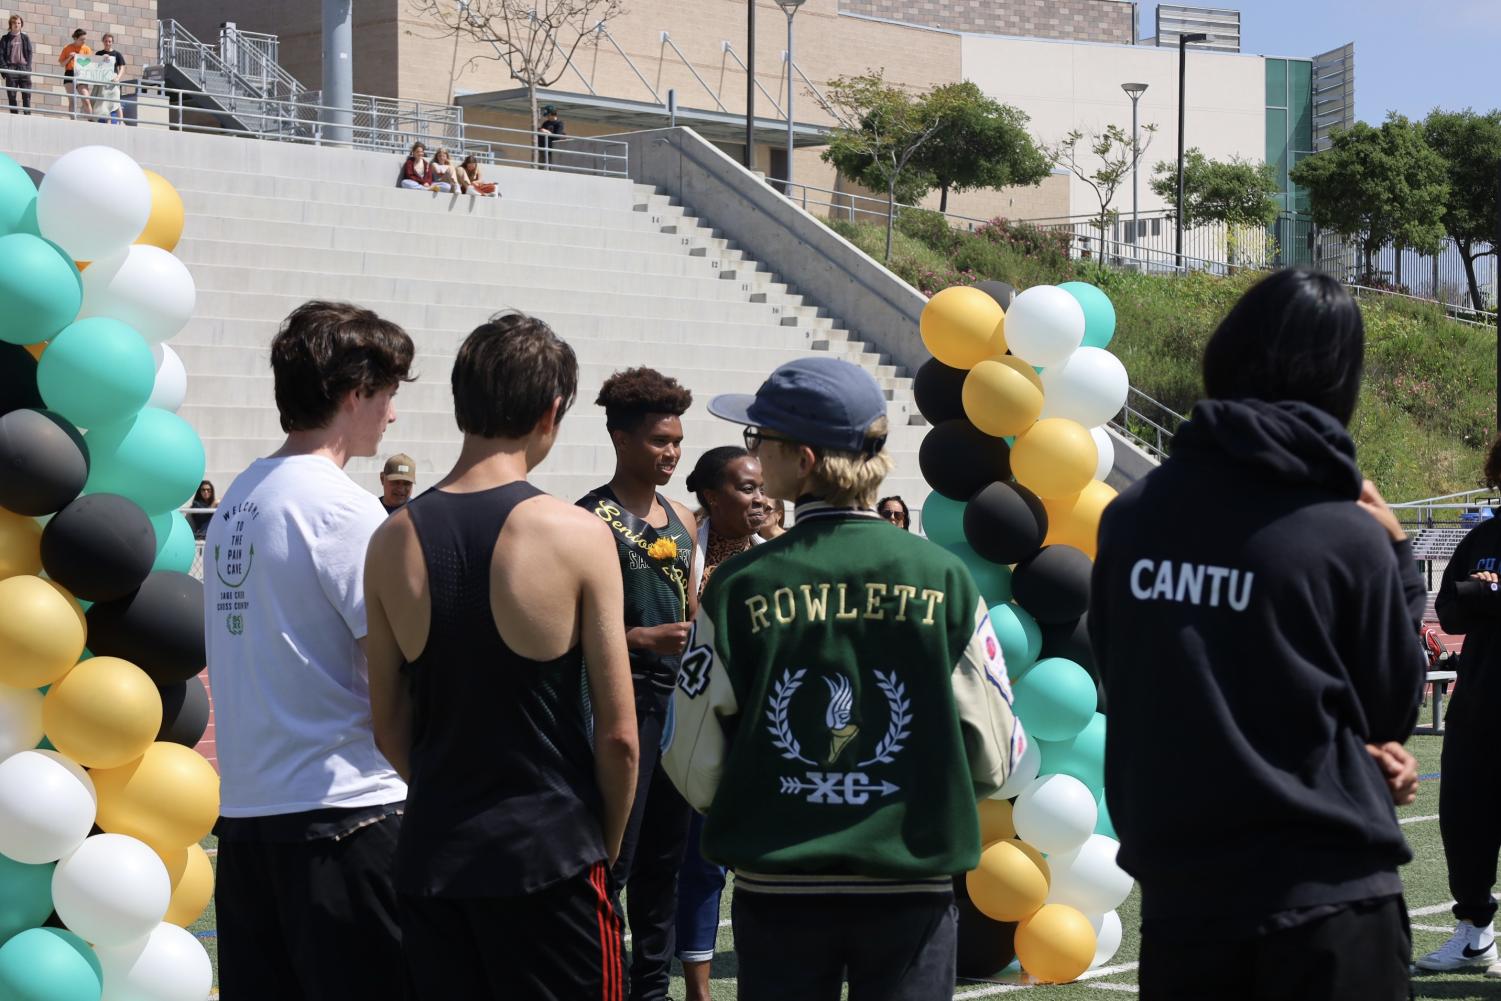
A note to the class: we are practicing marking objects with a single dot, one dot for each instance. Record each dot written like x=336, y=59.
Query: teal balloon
x=96, y=371
x=49, y=964
x=39, y=287
x=1020, y=637
x=1082, y=756
x=993, y=579
x=25, y=896
x=943, y=519
x=154, y=458
x=1055, y=699
x=17, y=199
x=1099, y=313
x=1103, y=824
x=176, y=549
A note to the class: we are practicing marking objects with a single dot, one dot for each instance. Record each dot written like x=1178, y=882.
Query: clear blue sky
x=1409, y=56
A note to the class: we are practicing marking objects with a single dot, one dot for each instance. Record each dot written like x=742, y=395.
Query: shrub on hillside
x=932, y=229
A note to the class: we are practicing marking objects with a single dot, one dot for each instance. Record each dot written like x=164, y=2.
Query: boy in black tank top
x=654, y=541
x=504, y=697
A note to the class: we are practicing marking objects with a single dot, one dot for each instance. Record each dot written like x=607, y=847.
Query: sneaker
x=1493, y=971
x=1468, y=946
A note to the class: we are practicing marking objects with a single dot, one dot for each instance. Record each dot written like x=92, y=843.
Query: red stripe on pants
x=609, y=933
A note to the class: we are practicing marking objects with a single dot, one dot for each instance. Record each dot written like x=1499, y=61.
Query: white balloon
x=1104, y=447
x=1089, y=387
x=143, y=287
x=1044, y=326
x=47, y=805
x=20, y=720
x=169, y=964
x=93, y=202
x=1055, y=814
x=1088, y=878
x=112, y=890
x=171, y=381
x=1023, y=774
x=1107, y=936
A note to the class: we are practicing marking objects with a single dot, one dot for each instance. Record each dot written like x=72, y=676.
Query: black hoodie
x=1255, y=629
x=1472, y=609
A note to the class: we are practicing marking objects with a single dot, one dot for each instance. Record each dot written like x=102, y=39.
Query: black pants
x=310, y=920
x=896, y=948
x=17, y=82
x=1357, y=954
x=651, y=854
x=559, y=944
x=1469, y=815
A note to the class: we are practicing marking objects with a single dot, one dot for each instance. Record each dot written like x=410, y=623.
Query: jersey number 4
x=693, y=675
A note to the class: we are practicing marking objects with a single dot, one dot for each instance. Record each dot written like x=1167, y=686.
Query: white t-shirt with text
x=284, y=609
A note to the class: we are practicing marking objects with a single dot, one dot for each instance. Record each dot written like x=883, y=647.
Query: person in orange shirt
x=80, y=102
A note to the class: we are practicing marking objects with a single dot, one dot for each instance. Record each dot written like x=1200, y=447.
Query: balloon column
x=102, y=799
x=1018, y=390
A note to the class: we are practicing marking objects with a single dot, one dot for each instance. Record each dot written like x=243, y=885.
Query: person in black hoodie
x=1469, y=604
x=1254, y=617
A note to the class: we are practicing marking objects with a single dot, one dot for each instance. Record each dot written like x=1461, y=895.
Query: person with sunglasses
x=894, y=510
x=841, y=707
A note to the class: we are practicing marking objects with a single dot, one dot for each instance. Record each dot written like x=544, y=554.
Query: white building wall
x=1069, y=85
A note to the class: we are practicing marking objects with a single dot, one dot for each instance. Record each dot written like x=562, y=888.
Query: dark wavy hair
x=325, y=350
x=507, y=374
x=629, y=397
x=906, y=512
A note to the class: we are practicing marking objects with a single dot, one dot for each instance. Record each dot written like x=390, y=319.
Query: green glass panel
x=1276, y=83
x=1276, y=144
x=1300, y=103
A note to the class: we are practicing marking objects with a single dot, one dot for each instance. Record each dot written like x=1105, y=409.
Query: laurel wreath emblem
x=781, y=697
x=901, y=715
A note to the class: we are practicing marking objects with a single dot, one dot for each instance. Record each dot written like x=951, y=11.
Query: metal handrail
x=491, y=144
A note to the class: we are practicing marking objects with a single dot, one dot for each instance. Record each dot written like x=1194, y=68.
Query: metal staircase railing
x=1148, y=423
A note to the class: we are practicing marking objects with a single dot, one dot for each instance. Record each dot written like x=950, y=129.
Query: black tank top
x=503, y=799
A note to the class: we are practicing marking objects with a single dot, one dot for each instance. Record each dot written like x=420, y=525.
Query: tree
x=1236, y=192
x=536, y=39
x=1117, y=156
x=983, y=143
x=1378, y=186
x=879, y=128
x=1470, y=144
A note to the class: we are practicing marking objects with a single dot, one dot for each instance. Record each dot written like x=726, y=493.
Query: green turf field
x=1427, y=901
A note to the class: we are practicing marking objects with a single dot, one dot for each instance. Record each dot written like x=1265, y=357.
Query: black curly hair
x=629, y=397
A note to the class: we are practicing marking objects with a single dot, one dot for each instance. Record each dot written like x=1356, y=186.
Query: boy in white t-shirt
x=310, y=809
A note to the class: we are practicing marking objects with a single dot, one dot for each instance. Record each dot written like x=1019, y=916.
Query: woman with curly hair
x=655, y=540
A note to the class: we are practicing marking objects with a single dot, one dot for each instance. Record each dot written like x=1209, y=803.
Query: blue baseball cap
x=817, y=401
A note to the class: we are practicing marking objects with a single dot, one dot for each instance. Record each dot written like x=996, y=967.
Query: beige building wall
x=49, y=25
x=1066, y=86
x=1080, y=20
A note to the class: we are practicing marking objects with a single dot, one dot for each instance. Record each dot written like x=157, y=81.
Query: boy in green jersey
x=841, y=707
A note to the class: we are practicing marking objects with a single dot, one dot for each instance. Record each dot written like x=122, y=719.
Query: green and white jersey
x=842, y=706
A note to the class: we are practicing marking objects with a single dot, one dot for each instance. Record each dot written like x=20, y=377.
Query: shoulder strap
x=634, y=533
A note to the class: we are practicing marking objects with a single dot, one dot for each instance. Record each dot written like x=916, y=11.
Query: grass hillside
x=1427, y=409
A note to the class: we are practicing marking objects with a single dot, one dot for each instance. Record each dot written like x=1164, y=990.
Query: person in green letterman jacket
x=841, y=707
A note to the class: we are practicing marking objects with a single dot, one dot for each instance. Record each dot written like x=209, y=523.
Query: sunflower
x=663, y=549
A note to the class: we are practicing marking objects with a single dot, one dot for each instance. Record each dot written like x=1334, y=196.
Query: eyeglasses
x=755, y=436
x=891, y=513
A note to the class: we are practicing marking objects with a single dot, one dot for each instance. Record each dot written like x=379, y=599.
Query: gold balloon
x=41, y=632
x=1056, y=944
x=1002, y=396
x=20, y=545
x=1054, y=458
x=168, y=797
x=1075, y=521
x=1011, y=881
x=35, y=350
x=962, y=326
x=164, y=227
x=192, y=876
x=995, y=821
x=103, y=713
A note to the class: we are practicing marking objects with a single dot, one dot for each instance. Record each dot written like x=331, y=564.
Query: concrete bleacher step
x=624, y=274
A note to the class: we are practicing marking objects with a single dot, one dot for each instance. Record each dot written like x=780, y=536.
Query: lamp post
x=789, y=7
x=750, y=84
x=1134, y=91
x=1183, y=41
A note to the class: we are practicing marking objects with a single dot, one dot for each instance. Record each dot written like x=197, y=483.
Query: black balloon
x=999, y=291
x=986, y=946
x=18, y=379
x=937, y=390
x=100, y=547
x=1053, y=585
x=957, y=459
x=184, y=712
x=158, y=627
x=1005, y=523
x=44, y=462
x=1069, y=640
x=35, y=175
